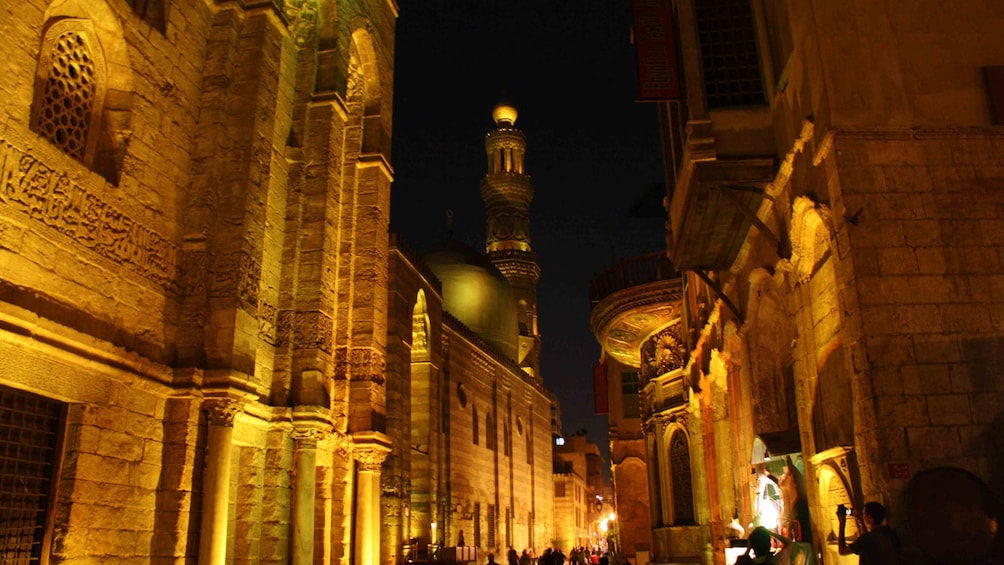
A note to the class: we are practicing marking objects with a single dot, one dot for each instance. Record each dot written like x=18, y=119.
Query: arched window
x=474, y=425
x=82, y=101
x=70, y=89
x=683, y=489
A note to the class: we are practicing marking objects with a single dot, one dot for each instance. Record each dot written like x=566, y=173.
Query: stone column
x=370, y=450
x=305, y=437
x=220, y=414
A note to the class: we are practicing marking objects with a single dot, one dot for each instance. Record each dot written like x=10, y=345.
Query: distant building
x=636, y=318
x=579, y=467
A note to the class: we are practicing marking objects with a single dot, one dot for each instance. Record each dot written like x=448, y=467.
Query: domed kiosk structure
x=476, y=293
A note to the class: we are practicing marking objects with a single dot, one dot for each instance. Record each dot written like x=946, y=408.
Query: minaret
x=507, y=193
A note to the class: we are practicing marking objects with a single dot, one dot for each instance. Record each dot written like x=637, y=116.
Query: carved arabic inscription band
x=53, y=199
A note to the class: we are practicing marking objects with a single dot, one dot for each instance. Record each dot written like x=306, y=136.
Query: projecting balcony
x=630, y=301
x=712, y=208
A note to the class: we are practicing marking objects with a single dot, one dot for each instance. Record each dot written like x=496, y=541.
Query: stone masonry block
x=120, y=446
x=907, y=179
x=988, y=407
x=929, y=290
x=11, y=238
x=884, y=152
x=880, y=320
x=113, y=542
x=865, y=262
x=83, y=438
x=102, y=469
x=895, y=206
x=919, y=318
x=949, y=409
x=953, y=179
x=95, y=492
x=887, y=381
x=878, y=234
x=889, y=350
x=921, y=233
x=977, y=375
x=931, y=260
x=927, y=379
x=982, y=260
x=933, y=441
x=892, y=442
x=993, y=231
x=965, y=318
x=937, y=349
x=897, y=261
x=862, y=179
x=997, y=317
x=909, y=411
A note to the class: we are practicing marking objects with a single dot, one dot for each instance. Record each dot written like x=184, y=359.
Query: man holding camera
x=879, y=545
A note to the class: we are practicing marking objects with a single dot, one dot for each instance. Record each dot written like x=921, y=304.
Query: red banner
x=600, y=404
x=995, y=86
x=655, y=47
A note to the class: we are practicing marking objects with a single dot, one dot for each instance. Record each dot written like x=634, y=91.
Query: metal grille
x=29, y=438
x=729, y=57
x=491, y=525
x=683, y=492
x=477, y=524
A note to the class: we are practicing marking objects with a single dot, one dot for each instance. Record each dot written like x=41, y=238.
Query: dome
x=504, y=114
x=476, y=293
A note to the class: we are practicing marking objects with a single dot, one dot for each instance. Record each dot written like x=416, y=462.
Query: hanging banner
x=655, y=48
x=600, y=404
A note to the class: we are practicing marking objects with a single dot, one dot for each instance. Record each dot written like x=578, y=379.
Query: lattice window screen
x=730, y=59
x=70, y=89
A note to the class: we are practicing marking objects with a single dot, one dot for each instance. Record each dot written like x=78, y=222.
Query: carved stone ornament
x=369, y=459
x=53, y=199
x=342, y=443
x=308, y=437
x=302, y=18
x=222, y=411
x=367, y=364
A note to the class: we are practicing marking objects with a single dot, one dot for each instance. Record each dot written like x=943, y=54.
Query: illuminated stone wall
x=443, y=380
x=859, y=327
x=181, y=270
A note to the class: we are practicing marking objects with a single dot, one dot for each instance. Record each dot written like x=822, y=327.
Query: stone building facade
x=194, y=256
x=835, y=203
x=636, y=318
x=579, y=465
x=476, y=449
x=472, y=460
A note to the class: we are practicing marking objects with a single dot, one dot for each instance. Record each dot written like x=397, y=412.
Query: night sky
x=592, y=152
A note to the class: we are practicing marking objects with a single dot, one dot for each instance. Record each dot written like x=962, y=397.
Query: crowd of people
x=555, y=556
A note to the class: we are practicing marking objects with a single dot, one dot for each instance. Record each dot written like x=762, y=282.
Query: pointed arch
x=678, y=478
x=811, y=233
x=769, y=336
x=816, y=267
x=421, y=420
x=364, y=82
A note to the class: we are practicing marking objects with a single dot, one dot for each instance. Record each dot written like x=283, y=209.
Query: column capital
x=222, y=411
x=308, y=436
x=370, y=449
